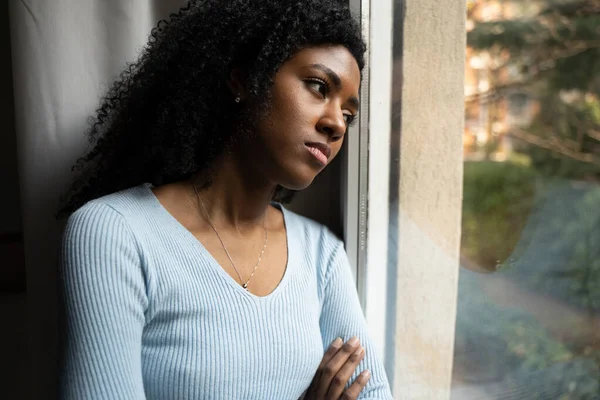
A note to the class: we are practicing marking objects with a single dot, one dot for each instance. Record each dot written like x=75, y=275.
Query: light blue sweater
x=149, y=314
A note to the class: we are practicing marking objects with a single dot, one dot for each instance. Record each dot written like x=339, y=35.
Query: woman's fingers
x=332, y=367
x=331, y=351
x=357, y=387
x=338, y=383
x=329, y=354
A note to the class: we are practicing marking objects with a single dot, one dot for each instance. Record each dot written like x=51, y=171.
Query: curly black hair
x=169, y=115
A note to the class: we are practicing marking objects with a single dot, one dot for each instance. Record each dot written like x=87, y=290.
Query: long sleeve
x=104, y=298
x=342, y=317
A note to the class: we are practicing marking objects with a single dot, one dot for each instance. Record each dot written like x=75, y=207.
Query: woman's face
x=314, y=98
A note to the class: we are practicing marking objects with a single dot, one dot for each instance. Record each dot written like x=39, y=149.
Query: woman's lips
x=320, y=151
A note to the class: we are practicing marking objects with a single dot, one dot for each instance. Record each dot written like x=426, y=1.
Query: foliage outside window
x=529, y=295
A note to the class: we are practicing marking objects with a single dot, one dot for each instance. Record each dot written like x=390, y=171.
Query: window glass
x=528, y=322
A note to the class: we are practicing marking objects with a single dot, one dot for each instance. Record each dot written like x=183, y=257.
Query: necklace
x=244, y=284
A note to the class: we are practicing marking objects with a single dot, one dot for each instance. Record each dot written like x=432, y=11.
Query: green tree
x=553, y=51
x=540, y=232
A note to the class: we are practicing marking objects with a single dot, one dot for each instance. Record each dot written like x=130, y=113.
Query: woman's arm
x=342, y=317
x=104, y=300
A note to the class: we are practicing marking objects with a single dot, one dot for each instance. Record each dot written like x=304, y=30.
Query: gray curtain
x=65, y=54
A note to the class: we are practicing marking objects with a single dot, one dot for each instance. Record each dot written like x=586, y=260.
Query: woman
x=183, y=275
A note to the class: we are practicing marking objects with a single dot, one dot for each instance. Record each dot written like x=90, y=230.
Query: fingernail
x=337, y=342
x=353, y=341
x=366, y=374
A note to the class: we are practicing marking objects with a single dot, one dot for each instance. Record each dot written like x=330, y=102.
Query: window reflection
x=528, y=324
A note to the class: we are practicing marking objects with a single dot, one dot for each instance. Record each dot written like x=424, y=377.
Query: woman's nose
x=333, y=125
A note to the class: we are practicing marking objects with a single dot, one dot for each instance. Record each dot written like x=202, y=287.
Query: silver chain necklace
x=244, y=285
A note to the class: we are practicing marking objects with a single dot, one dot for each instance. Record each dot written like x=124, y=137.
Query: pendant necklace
x=244, y=284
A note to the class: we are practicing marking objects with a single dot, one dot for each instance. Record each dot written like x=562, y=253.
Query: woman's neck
x=235, y=196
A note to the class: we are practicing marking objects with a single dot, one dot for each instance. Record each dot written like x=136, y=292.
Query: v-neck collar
x=170, y=220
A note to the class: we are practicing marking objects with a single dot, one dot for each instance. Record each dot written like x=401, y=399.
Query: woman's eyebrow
x=330, y=74
x=335, y=78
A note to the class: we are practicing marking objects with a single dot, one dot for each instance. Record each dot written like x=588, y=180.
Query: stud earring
x=238, y=99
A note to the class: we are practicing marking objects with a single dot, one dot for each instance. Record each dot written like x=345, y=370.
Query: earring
x=238, y=99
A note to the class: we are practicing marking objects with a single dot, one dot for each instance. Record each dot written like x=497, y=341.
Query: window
x=415, y=127
x=529, y=287
x=517, y=195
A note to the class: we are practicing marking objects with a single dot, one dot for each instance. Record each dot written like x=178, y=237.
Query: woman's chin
x=300, y=180
x=297, y=185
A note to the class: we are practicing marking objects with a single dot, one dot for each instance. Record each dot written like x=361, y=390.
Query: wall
x=429, y=92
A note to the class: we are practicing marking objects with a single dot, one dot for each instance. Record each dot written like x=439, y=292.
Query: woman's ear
x=237, y=84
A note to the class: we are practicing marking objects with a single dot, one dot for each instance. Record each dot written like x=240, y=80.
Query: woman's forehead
x=337, y=58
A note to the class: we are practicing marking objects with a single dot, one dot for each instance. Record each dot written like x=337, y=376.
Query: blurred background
x=528, y=322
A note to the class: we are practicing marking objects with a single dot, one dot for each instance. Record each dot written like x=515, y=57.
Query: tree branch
x=554, y=144
x=594, y=134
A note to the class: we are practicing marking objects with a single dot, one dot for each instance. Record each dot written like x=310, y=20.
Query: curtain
x=65, y=54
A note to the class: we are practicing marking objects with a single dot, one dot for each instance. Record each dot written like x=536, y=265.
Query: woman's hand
x=336, y=369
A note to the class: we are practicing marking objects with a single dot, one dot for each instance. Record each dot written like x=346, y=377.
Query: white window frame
x=367, y=198
x=410, y=306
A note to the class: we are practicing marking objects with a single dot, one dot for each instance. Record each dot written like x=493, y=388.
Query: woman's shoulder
x=311, y=236
x=309, y=228
x=125, y=210
x=127, y=203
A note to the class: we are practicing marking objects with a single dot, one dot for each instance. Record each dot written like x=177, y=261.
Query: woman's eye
x=318, y=86
x=349, y=119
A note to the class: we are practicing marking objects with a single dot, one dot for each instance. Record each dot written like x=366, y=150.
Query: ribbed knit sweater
x=149, y=314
